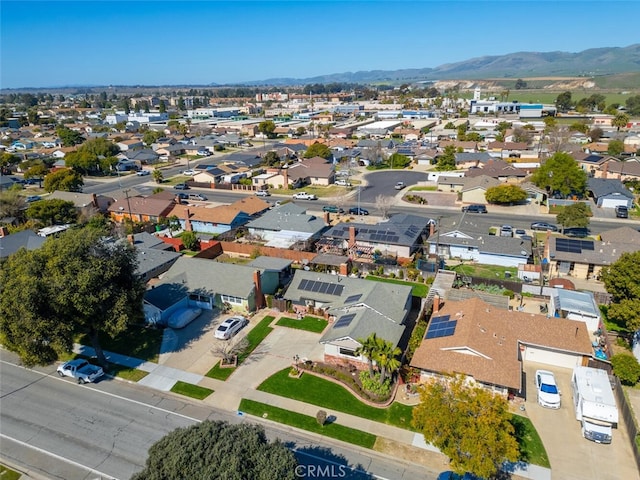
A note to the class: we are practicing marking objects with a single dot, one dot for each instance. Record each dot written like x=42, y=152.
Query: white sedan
x=230, y=327
x=548, y=393
x=189, y=173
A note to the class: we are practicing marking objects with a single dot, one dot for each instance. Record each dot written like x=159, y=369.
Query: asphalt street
x=57, y=429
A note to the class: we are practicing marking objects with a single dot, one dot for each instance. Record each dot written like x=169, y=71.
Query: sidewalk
x=228, y=394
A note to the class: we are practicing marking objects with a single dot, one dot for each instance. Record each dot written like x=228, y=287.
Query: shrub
x=626, y=368
x=321, y=417
x=373, y=385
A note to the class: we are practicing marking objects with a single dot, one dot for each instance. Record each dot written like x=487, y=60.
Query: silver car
x=230, y=327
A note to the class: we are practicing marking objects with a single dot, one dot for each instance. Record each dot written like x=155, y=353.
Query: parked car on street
x=181, y=186
x=143, y=173
x=474, y=208
x=33, y=198
x=304, y=196
x=81, y=370
x=544, y=226
x=548, y=393
x=358, y=211
x=230, y=327
x=576, y=232
x=400, y=186
x=343, y=183
x=263, y=193
x=332, y=209
x=189, y=173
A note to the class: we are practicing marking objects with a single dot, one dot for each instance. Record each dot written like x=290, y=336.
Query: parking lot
x=573, y=457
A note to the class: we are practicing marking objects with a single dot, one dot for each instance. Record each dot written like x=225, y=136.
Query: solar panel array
x=441, y=327
x=384, y=237
x=353, y=298
x=571, y=245
x=321, y=287
x=345, y=320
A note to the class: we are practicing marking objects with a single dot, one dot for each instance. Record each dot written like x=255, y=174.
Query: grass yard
x=419, y=289
x=305, y=422
x=323, y=393
x=8, y=474
x=254, y=337
x=310, y=324
x=531, y=448
x=423, y=189
x=127, y=373
x=189, y=390
x=484, y=271
x=138, y=342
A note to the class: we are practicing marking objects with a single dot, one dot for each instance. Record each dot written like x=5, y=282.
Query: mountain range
x=588, y=63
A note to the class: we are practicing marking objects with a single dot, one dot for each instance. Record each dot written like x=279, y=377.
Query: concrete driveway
x=573, y=457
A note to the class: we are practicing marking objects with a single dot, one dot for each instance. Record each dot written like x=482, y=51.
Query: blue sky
x=54, y=43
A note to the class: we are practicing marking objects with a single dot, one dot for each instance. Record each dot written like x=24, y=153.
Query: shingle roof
x=10, y=244
x=486, y=340
x=290, y=217
x=400, y=229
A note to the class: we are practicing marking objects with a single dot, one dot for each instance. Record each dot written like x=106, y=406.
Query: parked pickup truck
x=81, y=370
x=304, y=196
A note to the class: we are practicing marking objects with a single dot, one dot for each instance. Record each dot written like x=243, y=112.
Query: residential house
x=472, y=160
x=451, y=183
x=154, y=257
x=194, y=283
x=401, y=236
x=475, y=188
x=145, y=156
x=504, y=150
x=357, y=308
x=130, y=144
x=11, y=243
x=287, y=224
x=500, y=170
x=140, y=209
x=83, y=200
x=623, y=171
x=468, y=238
x=609, y=192
x=490, y=345
x=585, y=258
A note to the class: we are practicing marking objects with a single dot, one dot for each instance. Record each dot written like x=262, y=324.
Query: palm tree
x=387, y=359
x=157, y=175
x=369, y=348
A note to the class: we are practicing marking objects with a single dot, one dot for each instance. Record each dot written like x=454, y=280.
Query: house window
x=199, y=298
x=231, y=299
x=348, y=352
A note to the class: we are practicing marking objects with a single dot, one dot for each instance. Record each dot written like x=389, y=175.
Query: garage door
x=550, y=357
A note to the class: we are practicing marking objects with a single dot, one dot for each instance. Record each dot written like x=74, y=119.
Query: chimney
x=285, y=176
x=4, y=231
x=436, y=304
x=605, y=170
x=187, y=222
x=130, y=239
x=432, y=229
x=260, y=303
x=344, y=269
x=352, y=236
x=327, y=218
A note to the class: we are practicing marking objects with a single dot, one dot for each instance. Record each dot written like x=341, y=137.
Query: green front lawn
x=305, y=422
x=485, y=271
x=137, y=342
x=310, y=324
x=127, y=373
x=531, y=447
x=254, y=337
x=8, y=474
x=189, y=390
x=419, y=289
x=323, y=393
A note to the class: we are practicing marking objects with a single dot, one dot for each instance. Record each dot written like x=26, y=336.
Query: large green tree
x=622, y=280
x=90, y=155
x=561, y=173
x=564, y=102
x=447, y=161
x=66, y=180
x=82, y=282
x=397, y=160
x=219, y=450
x=615, y=147
x=318, y=150
x=52, y=212
x=469, y=424
x=267, y=128
x=69, y=137
x=633, y=105
x=574, y=215
x=620, y=120
x=505, y=193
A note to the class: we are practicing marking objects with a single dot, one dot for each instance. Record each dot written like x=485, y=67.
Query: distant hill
x=588, y=63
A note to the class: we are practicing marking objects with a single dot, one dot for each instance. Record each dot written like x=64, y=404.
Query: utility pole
x=126, y=192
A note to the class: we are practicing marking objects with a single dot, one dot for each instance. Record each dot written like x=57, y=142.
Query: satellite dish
x=306, y=267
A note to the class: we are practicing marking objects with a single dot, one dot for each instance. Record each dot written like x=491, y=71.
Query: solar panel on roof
x=353, y=298
x=338, y=290
x=324, y=287
x=441, y=327
x=303, y=284
x=345, y=320
x=571, y=245
x=316, y=286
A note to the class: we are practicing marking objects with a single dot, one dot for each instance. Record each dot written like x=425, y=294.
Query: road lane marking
x=102, y=475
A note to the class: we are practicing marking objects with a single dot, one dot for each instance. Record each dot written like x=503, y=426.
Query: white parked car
x=143, y=173
x=263, y=193
x=230, y=327
x=81, y=370
x=304, y=196
x=548, y=393
x=343, y=183
x=189, y=173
